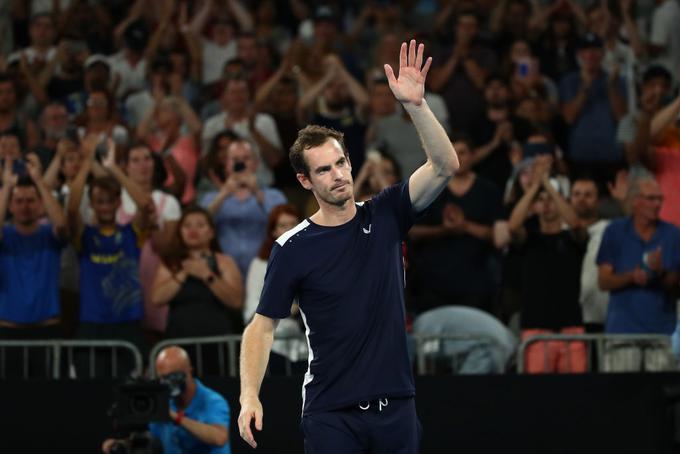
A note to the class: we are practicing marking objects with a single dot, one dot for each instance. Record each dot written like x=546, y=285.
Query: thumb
x=390, y=74
x=258, y=420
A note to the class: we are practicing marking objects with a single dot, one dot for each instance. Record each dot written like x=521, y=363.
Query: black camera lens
x=142, y=405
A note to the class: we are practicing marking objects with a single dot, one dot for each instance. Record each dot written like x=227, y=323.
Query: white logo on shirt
x=367, y=230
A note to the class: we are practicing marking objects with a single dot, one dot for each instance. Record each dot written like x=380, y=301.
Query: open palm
x=409, y=88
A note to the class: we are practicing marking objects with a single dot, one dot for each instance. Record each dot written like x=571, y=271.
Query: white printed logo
x=367, y=230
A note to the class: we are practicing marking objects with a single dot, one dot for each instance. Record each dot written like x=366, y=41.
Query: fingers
x=258, y=420
x=246, y=432
x=390, y=75
x=402, y=56
x=426, y=68
x=412, y=53
x=419, y=55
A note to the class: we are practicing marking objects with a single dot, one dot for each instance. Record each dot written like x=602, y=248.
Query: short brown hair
x=107, y=184
x=309, y=137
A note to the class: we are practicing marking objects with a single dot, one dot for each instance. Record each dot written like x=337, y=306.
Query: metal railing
x=197, y=345
x=429, y=346
x=59, y=357
x=600, y=346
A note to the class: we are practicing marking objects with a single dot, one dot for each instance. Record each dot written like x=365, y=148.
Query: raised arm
x=665, y=117
x=409, y=89
x=76, y=188
x=54, y=211
x=8, y=181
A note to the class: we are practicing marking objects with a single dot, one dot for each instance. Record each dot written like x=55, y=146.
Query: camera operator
x=200, y=416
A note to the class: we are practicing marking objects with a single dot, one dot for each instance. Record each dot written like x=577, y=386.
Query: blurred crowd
x=145, y=175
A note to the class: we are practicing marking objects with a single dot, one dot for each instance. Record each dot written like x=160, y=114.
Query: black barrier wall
x=615, y=413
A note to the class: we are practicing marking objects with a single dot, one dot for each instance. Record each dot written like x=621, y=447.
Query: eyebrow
x=324, y=168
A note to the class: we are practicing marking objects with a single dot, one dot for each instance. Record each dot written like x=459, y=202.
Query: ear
x=304, y=181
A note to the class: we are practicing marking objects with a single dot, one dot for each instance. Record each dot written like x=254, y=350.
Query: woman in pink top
x=163, y=130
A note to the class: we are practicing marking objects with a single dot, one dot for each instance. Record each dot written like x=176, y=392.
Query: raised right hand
x=251, y=409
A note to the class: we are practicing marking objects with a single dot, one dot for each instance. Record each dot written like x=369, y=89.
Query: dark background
x=606, y=413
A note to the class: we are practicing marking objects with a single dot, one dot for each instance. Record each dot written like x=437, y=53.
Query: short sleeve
x=397, y=199
x=280, y=285
x=661, y=27
x=218, y=411
x=607, y=247
x=171, y=209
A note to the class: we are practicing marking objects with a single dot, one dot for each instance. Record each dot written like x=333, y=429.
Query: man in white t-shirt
x=41, y=32
x=129, y=66
x=664, y=40
x=258, y=128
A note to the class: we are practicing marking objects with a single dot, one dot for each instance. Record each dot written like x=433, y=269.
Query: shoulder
x=288, y=238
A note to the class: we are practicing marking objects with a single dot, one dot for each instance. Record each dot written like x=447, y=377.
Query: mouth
x=338, y=186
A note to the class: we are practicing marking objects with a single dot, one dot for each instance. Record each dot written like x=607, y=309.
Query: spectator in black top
x=496, y=133
x=202, y=286
x=452, y=248
x=550, y=273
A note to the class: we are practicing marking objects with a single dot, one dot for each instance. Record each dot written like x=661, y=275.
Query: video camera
x=138, y=403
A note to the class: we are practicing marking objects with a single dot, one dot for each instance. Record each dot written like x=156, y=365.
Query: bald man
x=200, y=416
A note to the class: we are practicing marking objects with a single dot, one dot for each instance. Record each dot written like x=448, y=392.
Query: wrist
x=179, y=418
x=412, y=108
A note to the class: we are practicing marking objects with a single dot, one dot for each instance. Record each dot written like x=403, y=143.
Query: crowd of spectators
x=145, y=173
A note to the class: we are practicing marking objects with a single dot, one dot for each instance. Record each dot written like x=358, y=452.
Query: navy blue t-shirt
x=349, y=281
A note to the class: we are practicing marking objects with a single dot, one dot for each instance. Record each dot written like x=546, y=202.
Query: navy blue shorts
x=383, y=426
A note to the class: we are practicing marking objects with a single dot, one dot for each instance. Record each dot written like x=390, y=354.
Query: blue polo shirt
x=29, y=275
x=592, y=136
x=208, y=407
x=349, y=281
x=635, y=309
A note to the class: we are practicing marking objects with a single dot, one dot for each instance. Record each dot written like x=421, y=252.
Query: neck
x=27, y=228
x=644, y=226
x=333, y=215
x=199, y=252
x=97, y=124
x=188, y=395
x=588, y=220
x=550, y=227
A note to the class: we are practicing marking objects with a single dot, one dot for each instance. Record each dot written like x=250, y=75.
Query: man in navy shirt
x=344, y=264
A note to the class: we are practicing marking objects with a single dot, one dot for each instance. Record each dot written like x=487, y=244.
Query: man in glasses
x=639, y=264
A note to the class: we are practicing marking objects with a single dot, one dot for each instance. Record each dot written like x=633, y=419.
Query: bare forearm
x=229, y=293
x=572, y=109
x=521, y=211
x=216, y=203
x=564, y=209
x=636, y=151
x=137, y=194
x=440, y=76
x=207, y=433
x=241, y=14
x=436, y=143
x=482, y=152
x=166, y=289
x=356, y=90
x=480, y=231
x=54, y=211
x=255, y=349
x=665, y=117
x=615, y=281
x=616, y=101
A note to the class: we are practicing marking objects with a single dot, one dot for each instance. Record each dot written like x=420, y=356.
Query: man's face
x=25, y=205
x=466, y=28
x=545, y=207
x=104, y=204
x=247, y=50
x=335, y=94
x=656, y=90
x=590, y=58
x=140, y=165
x=330, y=173
x=584, y=198
x=464, y=157
x=647, y=204
x=42, y=31
x=382, y=100
x=240, y=152
x=496, y=93
x=55, y=121
x=7, y=97
x=236, y=96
